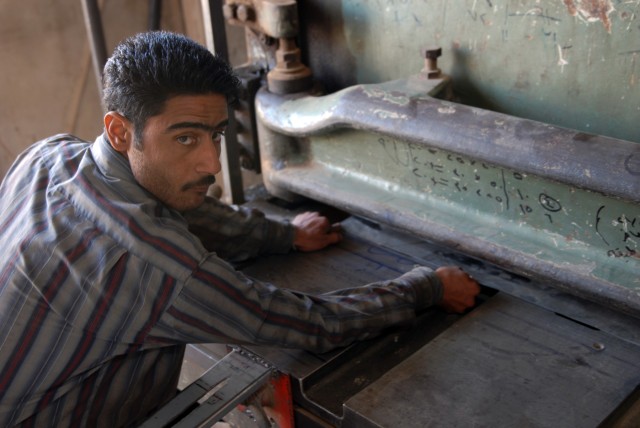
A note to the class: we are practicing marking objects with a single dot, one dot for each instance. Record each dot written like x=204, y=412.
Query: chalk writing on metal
x=515, y=196
x=620, y=232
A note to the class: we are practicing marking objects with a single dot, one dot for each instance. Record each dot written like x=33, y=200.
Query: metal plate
x=508, y=363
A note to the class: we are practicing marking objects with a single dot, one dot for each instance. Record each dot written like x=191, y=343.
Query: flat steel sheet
x=508, y=363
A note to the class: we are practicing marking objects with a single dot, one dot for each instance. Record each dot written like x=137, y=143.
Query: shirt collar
x=111, y=163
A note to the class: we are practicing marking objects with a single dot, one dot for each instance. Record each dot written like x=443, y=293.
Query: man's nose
x=208, y=158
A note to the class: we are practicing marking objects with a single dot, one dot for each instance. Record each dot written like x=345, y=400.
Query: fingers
x=314, y=231
x=459, y=289
x=308, y=217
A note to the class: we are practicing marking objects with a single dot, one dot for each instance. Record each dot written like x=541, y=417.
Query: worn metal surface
x=323, y=382
x=216, y=37
x=566, y=62
x=508, y=363
x=275, y=18
x=544, y=201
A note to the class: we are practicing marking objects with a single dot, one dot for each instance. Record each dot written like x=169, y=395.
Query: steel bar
x=217, y=43
x=95, y=31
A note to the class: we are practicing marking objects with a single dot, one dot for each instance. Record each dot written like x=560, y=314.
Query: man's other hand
x=314, y=232
x=459, y=289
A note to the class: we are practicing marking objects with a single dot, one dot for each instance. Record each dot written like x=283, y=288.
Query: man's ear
x=120, y=131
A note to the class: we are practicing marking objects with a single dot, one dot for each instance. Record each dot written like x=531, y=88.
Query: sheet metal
x=508, y=363
x=323, y=383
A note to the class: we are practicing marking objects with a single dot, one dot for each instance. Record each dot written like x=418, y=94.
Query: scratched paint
x=592, y=11
x=596, y=235
x=537, y=59
x=446, y=110
x=400, y=100
x=387, y=114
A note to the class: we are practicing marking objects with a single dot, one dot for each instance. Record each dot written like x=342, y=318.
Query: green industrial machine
x=498, y=135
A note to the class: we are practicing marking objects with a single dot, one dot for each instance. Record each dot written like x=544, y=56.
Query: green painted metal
x=572, y=63
x=554, y=204
x=559, y=224
x=553, y=196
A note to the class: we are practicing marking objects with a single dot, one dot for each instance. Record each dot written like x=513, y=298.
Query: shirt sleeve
x=219, y=304
x=238, y=233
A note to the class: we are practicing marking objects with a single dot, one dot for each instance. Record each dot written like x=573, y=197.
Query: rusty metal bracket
x=277, y=19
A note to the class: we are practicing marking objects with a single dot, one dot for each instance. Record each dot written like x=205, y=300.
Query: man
x=104, y=280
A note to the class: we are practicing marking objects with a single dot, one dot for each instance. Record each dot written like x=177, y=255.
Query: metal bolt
x=433, y=53
x=431, y=56
x=245, y=13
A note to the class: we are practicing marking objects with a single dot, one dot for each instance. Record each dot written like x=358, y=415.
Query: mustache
x=206, y=181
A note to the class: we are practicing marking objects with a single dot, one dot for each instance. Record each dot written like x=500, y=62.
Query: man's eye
x=185, y=140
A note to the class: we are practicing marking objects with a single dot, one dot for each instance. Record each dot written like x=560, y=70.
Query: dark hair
x=149, y=68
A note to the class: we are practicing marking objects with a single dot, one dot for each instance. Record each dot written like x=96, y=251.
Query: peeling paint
x=400, y=100
x=591, y=10
x=386, y=114
x=561, y=61
x=446, y=110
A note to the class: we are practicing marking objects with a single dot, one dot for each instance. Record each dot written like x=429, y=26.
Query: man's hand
x=314, y=232
x=459, y=289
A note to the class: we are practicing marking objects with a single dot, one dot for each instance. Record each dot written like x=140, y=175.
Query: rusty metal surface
x=275, y=18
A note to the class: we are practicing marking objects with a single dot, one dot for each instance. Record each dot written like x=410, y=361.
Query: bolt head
x=431, y=52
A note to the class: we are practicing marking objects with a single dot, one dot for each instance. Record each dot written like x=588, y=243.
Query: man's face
x=180, y=150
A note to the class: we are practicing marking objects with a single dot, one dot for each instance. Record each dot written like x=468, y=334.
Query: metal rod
x=155, y=14
x=93, y=23
x=217, y=43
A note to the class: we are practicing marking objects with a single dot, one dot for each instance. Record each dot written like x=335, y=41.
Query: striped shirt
x=101, y=287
